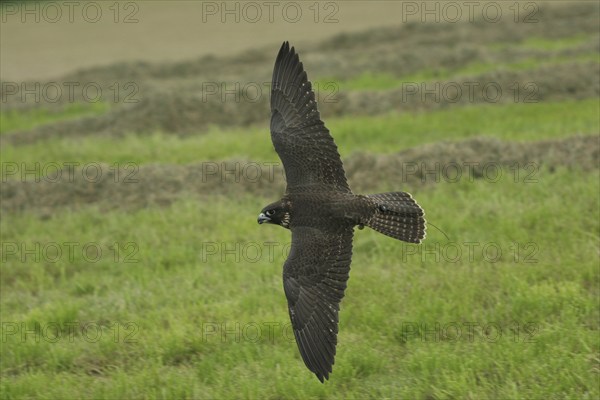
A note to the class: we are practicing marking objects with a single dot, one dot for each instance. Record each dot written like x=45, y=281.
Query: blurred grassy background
x=179, y=244
x=78, y=38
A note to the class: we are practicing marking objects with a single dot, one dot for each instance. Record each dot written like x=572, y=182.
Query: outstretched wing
x=307, y=150
x=314, y=279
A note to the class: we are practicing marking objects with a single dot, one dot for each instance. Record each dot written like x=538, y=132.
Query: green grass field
x=174, y=313
x=158, y=304
x=185, y=300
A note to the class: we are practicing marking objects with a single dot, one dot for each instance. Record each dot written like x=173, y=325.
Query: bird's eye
x=270, y=212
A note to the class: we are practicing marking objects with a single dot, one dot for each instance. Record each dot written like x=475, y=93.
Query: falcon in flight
x=321, y=211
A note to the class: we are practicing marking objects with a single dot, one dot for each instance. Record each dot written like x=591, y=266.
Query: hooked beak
x=262, y=218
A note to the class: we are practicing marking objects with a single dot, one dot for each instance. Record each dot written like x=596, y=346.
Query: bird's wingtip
x=323, y=376
x=286, y=48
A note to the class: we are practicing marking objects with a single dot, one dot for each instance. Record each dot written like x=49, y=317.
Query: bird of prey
x=321, y=211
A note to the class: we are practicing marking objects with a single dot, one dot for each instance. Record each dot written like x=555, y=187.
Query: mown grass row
x=382, y=134
x=383, y=81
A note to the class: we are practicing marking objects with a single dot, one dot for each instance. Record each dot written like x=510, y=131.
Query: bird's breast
x=321, y=209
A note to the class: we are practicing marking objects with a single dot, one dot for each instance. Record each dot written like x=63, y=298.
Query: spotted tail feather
x=397, y=215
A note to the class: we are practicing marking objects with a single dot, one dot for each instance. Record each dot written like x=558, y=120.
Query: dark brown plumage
x=321, y=211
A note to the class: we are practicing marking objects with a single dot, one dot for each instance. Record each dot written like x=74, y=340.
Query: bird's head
x=276, y=213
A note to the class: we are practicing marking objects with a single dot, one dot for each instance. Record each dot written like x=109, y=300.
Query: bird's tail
x=397, y=215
